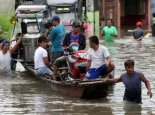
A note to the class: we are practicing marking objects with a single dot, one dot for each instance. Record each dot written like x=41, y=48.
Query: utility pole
x=94, y=16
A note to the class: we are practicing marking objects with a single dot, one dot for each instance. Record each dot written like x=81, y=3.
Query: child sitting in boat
x=132, y=81
x=73, y=39
x=41, y=63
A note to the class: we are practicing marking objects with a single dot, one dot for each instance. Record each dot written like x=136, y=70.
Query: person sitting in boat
x=5, y=55
x=41, y=63
x=75, y=37
x=138, y=33
x=75, y=40
x=99, y=60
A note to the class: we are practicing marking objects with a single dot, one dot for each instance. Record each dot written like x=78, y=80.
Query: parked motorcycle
x=75, y=67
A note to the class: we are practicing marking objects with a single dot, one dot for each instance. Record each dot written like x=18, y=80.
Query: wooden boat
x=75, y=88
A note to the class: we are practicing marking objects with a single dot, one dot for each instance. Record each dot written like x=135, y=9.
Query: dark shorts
x=55, y=55
x=60, y=62
x=94, y=73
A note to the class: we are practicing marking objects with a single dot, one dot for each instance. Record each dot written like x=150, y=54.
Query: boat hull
x=76, y=88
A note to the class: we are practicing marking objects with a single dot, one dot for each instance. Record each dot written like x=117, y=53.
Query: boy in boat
x=75, y=37
x=41, y=63
x=71, y=39
x=138, y=33
x=99, y=60
x=132, y=81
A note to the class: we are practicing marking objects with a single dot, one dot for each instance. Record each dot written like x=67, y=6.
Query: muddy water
x=23, y=94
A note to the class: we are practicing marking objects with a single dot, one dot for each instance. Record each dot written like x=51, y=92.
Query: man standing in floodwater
x=138, y=32
x=132, y=81
x=109, y=32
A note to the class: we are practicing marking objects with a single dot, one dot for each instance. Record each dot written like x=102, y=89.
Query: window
x=32, y=27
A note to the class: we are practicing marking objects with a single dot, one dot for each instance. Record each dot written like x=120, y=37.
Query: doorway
x=131, y=12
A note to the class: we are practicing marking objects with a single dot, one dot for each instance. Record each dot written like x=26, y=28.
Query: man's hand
x=105, y=79
x=149, y=93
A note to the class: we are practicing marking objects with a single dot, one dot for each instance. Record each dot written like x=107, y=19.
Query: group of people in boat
x=60, y=40
x=99, y=61
x=98, y=64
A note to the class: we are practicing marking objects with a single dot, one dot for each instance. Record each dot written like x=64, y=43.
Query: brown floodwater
x=21, y=93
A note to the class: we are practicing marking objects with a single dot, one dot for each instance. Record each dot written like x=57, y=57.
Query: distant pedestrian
x=132, y=81
x=138, y=32
x=109, y=32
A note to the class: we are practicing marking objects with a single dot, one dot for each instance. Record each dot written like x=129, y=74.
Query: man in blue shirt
x=56, y=37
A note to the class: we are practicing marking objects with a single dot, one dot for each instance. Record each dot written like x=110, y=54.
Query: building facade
x=125, y=13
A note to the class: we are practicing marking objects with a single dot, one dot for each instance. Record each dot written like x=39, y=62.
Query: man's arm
x=88, y=65
x=66, y=41
x=103, y=32
x=108, y=60
x=115, y=34
x=116, y=80
x=47, y=63
x=12, y=50
x=82, y=42
x=147, y=84
x=0, y=46
x=52, y=34
x=139, y=39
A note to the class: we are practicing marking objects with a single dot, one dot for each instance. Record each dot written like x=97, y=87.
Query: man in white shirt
x=99, y=60
x=41, y=62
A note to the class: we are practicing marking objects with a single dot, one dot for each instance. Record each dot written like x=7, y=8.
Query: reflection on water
x=23, y=94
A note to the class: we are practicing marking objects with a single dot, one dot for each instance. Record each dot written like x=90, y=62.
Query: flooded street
x=23, y=94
